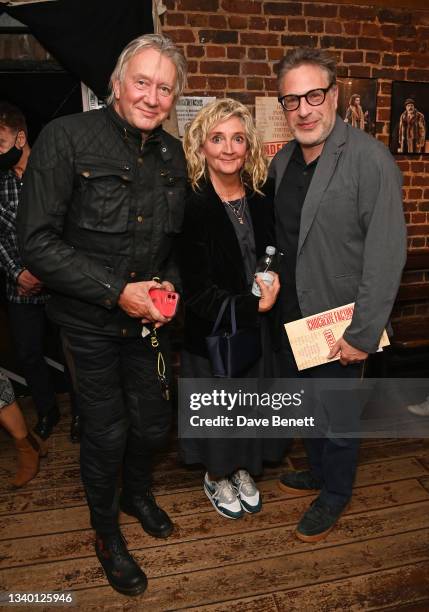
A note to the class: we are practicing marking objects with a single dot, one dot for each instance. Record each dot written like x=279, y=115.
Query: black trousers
x=332, y=460
x=125, y=419
x=28, y=327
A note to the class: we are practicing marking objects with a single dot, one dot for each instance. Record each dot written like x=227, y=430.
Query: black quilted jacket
x=99, y=210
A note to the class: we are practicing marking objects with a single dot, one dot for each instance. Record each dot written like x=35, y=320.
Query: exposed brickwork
x=283, y=8
x=214, y=67
x=215, y=52
x=198, y=5
x=320, y=10
x=247, y=7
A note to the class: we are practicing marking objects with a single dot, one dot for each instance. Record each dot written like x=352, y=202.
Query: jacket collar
x=123, y=126
x=322, y=176
x=212, y=201
x=156, y=136
x=221, y=225
x=206, y=190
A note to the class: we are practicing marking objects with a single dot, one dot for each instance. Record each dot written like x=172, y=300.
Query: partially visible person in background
x=228, y=224
x=25, y=293
x=412, y=129
x=354, y=114
x=28, y=447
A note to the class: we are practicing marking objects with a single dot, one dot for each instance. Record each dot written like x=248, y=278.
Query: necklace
x=237, y=207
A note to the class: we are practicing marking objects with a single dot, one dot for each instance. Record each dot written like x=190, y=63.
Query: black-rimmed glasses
x=314, y=97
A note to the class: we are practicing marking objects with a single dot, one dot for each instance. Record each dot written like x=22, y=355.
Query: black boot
x=154, y=520
x=121, y=570
x=75, y=429
x=46, y=423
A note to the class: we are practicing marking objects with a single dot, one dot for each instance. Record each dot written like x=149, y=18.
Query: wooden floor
x=376, y=559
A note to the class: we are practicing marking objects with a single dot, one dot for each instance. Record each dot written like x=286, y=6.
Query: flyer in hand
x=312, y=338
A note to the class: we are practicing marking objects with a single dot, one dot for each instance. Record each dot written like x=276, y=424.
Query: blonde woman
x=228, y=224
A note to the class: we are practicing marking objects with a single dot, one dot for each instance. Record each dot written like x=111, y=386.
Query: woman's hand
x=268, y=292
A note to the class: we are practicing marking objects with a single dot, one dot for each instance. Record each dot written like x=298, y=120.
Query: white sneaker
x=224, y=497
x=249, y=496
x=420, y=409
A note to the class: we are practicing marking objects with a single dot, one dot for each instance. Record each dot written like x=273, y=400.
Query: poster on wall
x=271, y=125
x=89, y=100
x=409, y=120
x=189, y=106
x=357, y=102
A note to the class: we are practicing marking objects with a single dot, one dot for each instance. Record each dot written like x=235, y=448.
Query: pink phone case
x=165, y=301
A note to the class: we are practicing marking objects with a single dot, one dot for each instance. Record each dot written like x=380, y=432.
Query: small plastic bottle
x=263, y=268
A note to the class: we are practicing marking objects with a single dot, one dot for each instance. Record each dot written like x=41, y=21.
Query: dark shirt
x=288, y=205
x=245, y=237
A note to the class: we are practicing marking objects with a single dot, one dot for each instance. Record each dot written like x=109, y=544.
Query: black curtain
x=86, y=36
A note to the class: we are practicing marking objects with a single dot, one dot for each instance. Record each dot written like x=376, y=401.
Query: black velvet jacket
x=211, y=262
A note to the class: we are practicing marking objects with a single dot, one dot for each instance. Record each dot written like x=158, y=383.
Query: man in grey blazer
x=340, y=224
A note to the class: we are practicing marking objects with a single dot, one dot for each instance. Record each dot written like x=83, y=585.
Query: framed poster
x=89, y=100
x=188, y=107
x=409, y=120
x=357, y=102
x=271, y=125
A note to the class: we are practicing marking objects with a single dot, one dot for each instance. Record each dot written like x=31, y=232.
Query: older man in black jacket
x=102, y=202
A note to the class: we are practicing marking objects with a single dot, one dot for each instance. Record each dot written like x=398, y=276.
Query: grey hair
x=307, y=55
x=158, y=42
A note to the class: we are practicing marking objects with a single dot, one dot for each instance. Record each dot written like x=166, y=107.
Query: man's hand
x=348, y=354
x=23, y=292
x=268, y=292
x=135, y=301
x=28, y=284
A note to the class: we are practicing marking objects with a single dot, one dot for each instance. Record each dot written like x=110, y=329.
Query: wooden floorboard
x=65, y=490
x=201, y=527
x=278, y=573
x=366, y=592
x=377, y=558
x=193, y=551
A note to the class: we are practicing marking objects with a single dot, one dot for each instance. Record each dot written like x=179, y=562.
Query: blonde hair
x=254, y=171
x=160, y=43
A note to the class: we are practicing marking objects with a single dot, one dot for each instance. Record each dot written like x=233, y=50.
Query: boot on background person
x=29, y=448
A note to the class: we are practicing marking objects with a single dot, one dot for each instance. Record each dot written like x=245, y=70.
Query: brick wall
x=233, y=45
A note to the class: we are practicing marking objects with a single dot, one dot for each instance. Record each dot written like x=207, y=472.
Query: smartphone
x=165, y=301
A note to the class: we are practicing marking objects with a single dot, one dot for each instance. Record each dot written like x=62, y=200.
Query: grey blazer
x=352, y=240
